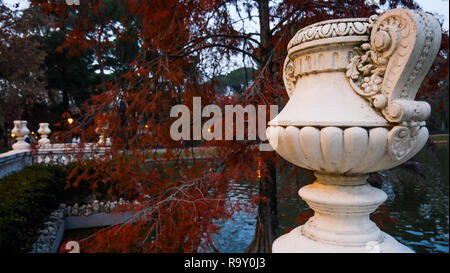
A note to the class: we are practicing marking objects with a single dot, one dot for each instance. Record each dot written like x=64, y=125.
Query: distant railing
x=66, y=153
x=13, y=161
x=45, y=152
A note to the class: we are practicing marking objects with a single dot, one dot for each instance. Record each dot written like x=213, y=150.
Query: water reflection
x=236, y=233
x=421, y=204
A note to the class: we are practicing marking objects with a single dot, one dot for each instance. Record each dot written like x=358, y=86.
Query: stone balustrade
x=23, y=155
x=13, y=161
x=66, y=153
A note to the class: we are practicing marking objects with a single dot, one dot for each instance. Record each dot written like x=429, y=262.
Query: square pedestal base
x=296, y=242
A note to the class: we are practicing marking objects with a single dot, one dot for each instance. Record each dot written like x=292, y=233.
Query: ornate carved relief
x=388, y=71
x=331, y=29
x=314, y=62
x=401, y=140
x=354, y=29
x=288, y=76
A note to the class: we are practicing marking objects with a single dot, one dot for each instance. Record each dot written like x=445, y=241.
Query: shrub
x=27, y=198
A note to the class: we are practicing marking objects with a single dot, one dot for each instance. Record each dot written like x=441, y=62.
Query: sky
x=441, y=7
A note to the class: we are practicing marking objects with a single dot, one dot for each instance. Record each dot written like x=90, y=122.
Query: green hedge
x=27, y=197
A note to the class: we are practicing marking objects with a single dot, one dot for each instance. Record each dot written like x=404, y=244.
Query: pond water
x=418, y=205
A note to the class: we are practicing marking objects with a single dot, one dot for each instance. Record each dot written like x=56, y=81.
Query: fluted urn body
x=351, y=111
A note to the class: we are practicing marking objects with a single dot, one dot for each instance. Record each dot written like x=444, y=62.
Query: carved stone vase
x=20, y=130
x=102, y=131
x=44, y=131
x=351, y=111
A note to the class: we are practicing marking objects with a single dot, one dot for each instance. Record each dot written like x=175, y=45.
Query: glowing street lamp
x=258, y=172
x=70, y=121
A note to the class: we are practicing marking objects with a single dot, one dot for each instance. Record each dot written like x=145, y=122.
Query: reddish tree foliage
x=180, y=199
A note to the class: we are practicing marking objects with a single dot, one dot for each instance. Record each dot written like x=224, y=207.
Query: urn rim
x=347, y=30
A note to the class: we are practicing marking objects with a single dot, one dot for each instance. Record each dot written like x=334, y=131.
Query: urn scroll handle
x=389, y=70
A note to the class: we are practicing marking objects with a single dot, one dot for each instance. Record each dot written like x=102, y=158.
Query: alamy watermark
x=212, y=129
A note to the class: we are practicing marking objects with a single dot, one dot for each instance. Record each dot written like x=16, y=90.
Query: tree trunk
x=266, y=229
x=444, y=120
x=267, y=219
x=4, y=135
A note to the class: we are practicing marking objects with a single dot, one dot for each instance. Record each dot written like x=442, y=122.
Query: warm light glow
x=258, y=172
x=209, y=130
x=32, y=133
x=13, y=135
x=70, y=121
x=35, y=137
x=146, y=125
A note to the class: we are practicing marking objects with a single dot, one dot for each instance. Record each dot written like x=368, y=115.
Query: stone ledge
x=64, y=219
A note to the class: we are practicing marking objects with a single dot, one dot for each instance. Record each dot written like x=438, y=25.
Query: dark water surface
x=418, y=206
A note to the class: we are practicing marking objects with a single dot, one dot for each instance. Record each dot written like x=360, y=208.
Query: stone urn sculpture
x=102, y=131
x=351, y=111
x=20, y=130
x=44, y=131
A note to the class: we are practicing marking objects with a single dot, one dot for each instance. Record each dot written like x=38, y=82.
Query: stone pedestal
x=296, y=242
x=341, y=222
